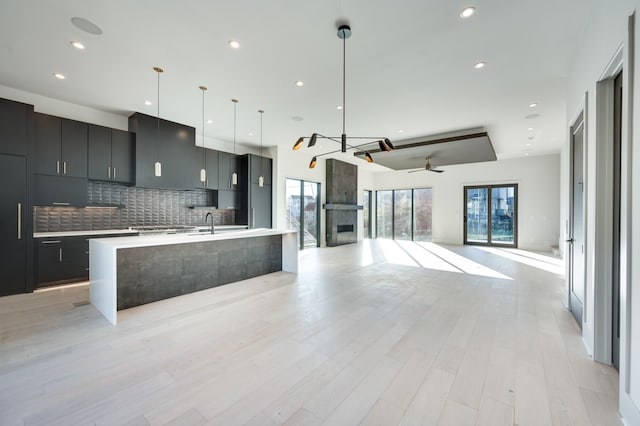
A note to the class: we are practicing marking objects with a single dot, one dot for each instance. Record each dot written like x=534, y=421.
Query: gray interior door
x=576, y=240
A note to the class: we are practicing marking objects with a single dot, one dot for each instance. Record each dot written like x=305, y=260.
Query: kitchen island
x=130, y=271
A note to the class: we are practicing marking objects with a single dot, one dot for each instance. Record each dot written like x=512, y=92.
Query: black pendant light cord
x=261, y=171
x=158, y=119
x=204, y=154
x=344, y=83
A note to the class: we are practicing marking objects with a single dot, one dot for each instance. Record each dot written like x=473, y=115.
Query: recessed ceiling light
x=297, y=118
x=147, y=103
x=86, y=26
x=299, y=83
x=209, y=121
x=467, y=12
x=400, y=130
x=339, y=107
x=59, y=76
x=78, y=45
x=480, y=65
x=528, y=144
x=533, y=105
x=234, y=44
x=530, y=129
x=250, y=133
x=531, y=116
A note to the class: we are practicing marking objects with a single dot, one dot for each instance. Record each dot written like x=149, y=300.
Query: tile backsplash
x=140, y=207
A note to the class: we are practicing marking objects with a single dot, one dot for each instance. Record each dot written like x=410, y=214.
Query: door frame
x=301, y=213
x=603, y=247
x=489, y=187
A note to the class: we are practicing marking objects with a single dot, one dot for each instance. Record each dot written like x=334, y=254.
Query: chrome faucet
x=207, y=216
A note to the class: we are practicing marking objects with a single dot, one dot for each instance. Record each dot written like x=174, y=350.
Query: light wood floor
x=364, y=334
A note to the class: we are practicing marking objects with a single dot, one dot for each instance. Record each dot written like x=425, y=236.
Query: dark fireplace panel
x=341, y=204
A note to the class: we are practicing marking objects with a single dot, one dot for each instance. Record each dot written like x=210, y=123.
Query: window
x=422, y=207
x=303, y=211
x=404, y=214
x=366, y=213
x=384, y=214
x=491, y=215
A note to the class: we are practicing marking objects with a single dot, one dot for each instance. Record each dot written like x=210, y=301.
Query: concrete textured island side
x=132, y=271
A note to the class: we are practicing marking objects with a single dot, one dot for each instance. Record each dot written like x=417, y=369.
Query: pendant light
x=203, y=170
x=158, y=165
x=261, y=178
x=344, y=32
x=234, y=176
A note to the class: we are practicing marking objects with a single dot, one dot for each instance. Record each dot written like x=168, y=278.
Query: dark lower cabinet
x=13, y=224
x=61, y=260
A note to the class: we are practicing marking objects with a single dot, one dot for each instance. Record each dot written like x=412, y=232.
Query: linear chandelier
x=344, y=32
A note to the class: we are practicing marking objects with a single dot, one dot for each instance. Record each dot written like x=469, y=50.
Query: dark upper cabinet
x=110, y=154
x=60, y=146
x=15, y=123
x=122, y=156
x=172, y=144
x=59, y=191
x=228, y=199
x=259, y=166
x=228, y=164
x=99, y=149
x=208, y=158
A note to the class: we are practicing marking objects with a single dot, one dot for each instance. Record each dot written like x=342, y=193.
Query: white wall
x=606, y=31
x=538, y=196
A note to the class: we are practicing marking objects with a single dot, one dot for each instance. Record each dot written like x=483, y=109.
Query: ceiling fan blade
x=436, y=170
x=413, y=171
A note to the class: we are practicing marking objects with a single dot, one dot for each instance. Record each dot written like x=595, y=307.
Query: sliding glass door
x=404, y=214
x=491, y=215
x=303, y=211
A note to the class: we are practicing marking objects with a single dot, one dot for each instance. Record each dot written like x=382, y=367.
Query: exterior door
x=13, y=250
x=576, y=240
x=491, y=215
x=303, y=211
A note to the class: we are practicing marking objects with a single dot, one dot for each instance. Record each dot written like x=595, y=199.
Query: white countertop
x=159, y=240
x=123, y=231
x=82, y=233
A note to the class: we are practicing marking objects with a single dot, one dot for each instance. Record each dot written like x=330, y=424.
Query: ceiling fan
x=428, y=167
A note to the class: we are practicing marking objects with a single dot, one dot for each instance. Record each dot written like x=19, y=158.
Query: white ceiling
x=409, y=64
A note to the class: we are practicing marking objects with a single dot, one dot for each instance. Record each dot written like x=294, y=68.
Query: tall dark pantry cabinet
x=16, y=217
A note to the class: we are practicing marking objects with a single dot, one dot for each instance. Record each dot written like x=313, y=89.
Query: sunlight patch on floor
x=466, y=265
x=545, y=263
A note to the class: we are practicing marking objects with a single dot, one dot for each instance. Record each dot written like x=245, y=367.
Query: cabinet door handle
x=109, y=172
x=60, y=254
x=19, y=221
x=64, y=167
x=51, y=242
x=60, y=204
x=114, y=172
x=58, y=167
